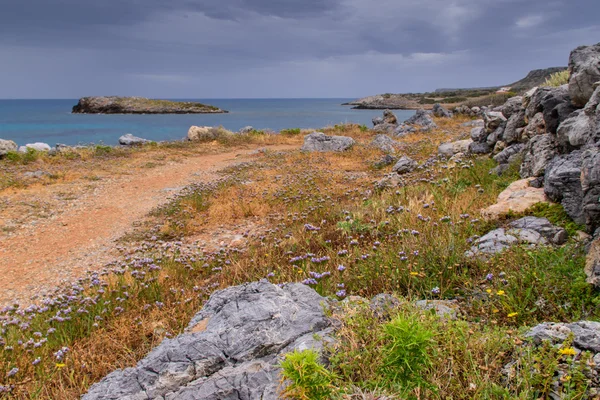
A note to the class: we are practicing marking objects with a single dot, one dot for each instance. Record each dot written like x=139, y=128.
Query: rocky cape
x=140, y=105
x=415, y=101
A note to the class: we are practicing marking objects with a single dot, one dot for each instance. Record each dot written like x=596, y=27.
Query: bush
x=407, y=351
x=292, y=131
x=310, y=380
x=558, y=79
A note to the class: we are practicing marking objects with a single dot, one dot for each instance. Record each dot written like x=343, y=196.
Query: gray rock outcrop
x=590, y=188
x=452, y=148
x=584, y=66
x=586, y=334
x=318, y=141
x=538, y=153
x=130, y=140
x=38, y=146
x=440, y=111
x=422, y=120
x=230, y=349
x=385, y=143
x=562, y=183
x=6, y=146
x=405, y=165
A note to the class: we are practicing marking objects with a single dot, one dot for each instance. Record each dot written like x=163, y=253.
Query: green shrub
x=556, y=214
x=292, y=131
x=101, y=150
x=310, y=380
x=29, y=156
x=407, y=351
x=558, y=79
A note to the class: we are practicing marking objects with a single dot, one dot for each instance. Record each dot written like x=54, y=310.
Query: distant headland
x=140, y=105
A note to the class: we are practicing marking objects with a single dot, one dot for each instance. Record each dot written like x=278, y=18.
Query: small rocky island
x=140, y=105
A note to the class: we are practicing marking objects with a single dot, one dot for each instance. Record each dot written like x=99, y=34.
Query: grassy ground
x=329, y=228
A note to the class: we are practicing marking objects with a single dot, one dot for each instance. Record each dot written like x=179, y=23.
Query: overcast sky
x=280, y=48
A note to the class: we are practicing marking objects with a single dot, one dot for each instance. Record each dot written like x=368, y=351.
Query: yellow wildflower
x=569, y=351
x=414, y=273
x=60, y=365
x=489, y=290
x=500, y=292
x=512, y=314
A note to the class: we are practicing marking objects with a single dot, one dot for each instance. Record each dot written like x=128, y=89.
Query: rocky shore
x=140, y=105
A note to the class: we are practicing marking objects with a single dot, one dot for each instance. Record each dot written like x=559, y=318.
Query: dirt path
x=35, y=260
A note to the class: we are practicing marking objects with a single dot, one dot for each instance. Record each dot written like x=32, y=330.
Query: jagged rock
x=422, y=119
x=383, y=305
x=200, y=133
x=562, y=183
x=584, y=66
x=452, y=148
x=536, y=126
x=479, y=148
x=532, y=101
x=389, y=181
x=385, y=161
x=230, y=349
x=512, y=131
x=385, y=143
x=403, y=130
x=440, y=111
x=582, y=127
x=246, y=130
x=130, y=140
x=590, y=187
x=512, y=106
x=499, y=147
x=389, y=117
x=404, y=165
x=476, y=110
x=318, y=141
x=496, y=135
x=385, y=128
x=38, y=146
x=443, y=308
x=529, y=230
x=508, y=154
x=493, y=119
x=377, y=120
x=6, y=146
x=517, y=197
x=36, y=174
x=553, y=234
x=556, y=107
x=477, y=123
x=538, y=153
x=592, y=264
x=586, y=334
x=478, y=134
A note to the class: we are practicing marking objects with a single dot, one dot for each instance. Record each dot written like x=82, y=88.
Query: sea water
x=51, y=121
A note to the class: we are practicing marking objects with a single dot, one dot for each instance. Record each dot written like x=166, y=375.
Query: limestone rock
x=318, y=141
x=389, y=117
x=403, y=130
x=385, y=143
x=477, y=123
x=440, y=111
x=586, y=334
x=200, y=133
x=6, y=146
x=493, y=119
x=404, y=165
x=478, y=134
x=538, y=153
x=130, y=140
x=246, y=130
x=584, y=66
x=509, y=153
x=383, y=305
x=452, y=148
x=422, y=120
x=479, y=148
x=389, y=181
x=553, y=234
x=512, y=106
x=556, y=107
x=590, y=187
x=592, y=264
x=38, y=146
x=518, y=197
x=443, y=308
x=230, y=349
x=562, y=183
x=536, y=126
x=512, y=132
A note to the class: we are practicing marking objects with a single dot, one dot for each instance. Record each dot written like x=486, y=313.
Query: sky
x=281, y=48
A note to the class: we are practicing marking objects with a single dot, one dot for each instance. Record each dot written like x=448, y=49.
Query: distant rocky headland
x=495, y=95
x=140, y=105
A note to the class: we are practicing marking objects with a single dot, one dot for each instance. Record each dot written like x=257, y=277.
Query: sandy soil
x=81, y=231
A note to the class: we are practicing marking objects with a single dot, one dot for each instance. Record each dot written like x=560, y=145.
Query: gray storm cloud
x=280, y=48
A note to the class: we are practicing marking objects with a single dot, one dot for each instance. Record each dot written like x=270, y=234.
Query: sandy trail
x=36, y=260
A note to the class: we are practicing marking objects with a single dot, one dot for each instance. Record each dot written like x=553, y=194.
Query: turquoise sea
x=51, y=121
